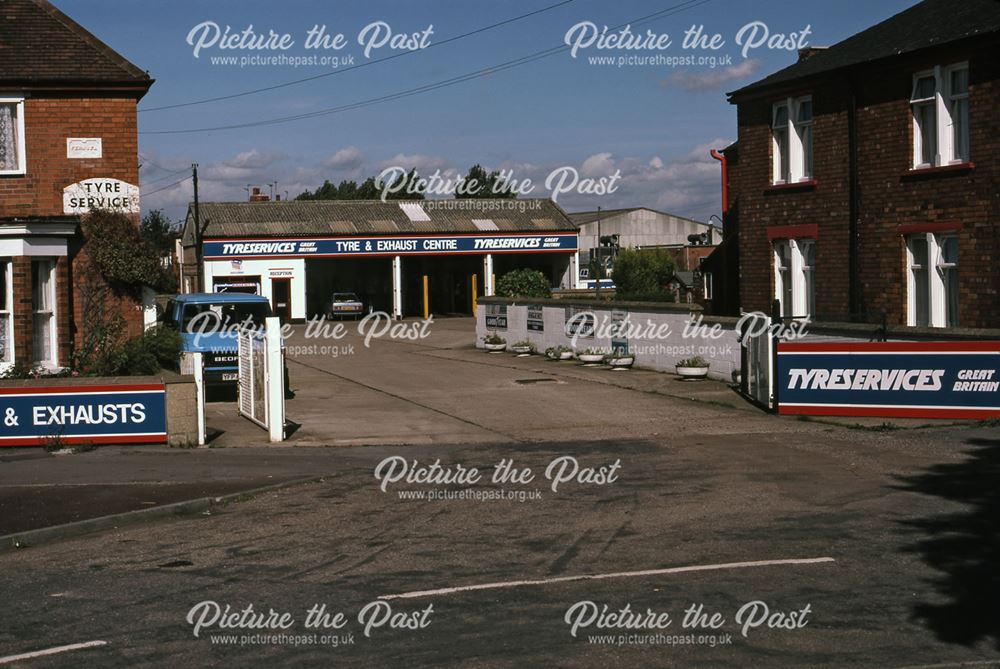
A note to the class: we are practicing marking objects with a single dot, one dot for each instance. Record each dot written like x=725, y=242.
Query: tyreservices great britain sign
x=387, y=246
x=891, y=379
x=113, y=414
x=110, y=194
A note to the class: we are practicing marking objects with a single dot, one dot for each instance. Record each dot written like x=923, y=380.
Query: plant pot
x=494, y=348
x=623, y=362
x=566, y=355
x=590, y=358
x=692, y=373
x=521, y=351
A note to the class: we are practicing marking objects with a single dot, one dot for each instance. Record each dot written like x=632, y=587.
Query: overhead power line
x=538, y=55
x=355, y=67
x=165, y=187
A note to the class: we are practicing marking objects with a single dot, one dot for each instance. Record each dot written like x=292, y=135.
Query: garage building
x=298, y=253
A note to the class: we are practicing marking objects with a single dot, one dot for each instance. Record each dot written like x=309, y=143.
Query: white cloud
x=706, y=80
x=345, y=159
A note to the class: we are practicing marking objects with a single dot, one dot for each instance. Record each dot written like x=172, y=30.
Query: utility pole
x=599, y=265
x=197, y=229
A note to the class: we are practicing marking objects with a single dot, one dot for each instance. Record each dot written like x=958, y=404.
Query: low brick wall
x=181, y=399
x=662, y=334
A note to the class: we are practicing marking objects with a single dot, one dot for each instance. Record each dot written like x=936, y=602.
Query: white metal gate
x=757, y=341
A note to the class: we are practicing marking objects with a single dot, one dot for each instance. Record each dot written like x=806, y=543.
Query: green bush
x=143, y=355
x=642, y=272
x=121, y=255
x=524, y=283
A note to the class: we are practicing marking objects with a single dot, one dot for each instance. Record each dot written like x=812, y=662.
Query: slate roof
x=330, y=218
x=41, y=46
x=927, y=24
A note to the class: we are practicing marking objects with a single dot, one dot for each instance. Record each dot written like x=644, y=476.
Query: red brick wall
x=49, y=120
x=889, y=196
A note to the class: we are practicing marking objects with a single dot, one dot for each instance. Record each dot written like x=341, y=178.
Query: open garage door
x=449, y=284
x=369, y=278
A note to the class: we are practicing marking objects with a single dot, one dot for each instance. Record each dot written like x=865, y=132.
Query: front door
x=281, y=299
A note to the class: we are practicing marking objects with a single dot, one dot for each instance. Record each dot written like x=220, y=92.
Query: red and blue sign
x=113, y=414
x=327, y=247
x=891, y=379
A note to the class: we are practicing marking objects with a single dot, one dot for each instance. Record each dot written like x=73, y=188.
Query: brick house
x=68, y=142
x=864, y=183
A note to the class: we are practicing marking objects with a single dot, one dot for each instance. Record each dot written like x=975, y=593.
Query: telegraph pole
x=599, y=265
x=197, y=229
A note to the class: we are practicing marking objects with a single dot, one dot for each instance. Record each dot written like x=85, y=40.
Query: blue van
x=207, y=323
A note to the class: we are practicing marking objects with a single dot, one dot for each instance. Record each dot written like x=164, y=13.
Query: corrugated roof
x=927, y=24
x=581, y=218
x=317, y=218
x=41, y=46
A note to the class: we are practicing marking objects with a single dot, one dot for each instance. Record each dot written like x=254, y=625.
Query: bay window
x=43, y=298
x=940, y=104
x=792, y=140
x=12, y=160
x=6, y=317
x=932, y=279
x=794, y=277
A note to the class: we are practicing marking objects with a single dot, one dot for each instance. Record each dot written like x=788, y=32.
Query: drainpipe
x=725, y=190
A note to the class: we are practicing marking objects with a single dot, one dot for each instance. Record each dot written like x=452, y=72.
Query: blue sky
x=653, y=123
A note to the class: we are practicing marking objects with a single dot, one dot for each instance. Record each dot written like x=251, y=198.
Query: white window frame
x=946, y=153
x=937, y=294
x=796, y=168
x=52, y=360
x=22, y=161
x=709, y=285
x=6, y=266
x=797, y=270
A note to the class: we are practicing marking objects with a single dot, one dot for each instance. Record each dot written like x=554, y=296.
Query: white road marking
x=597, y=577
x=51, y=651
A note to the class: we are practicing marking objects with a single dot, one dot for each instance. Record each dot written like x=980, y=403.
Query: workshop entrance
x=449, y=284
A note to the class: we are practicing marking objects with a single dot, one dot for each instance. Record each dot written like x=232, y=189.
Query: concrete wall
x=661, y=335
x=643, y=227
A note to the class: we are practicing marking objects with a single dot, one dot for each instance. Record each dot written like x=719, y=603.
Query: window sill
x=794, y=187
x=938, y=171
x=13, y=173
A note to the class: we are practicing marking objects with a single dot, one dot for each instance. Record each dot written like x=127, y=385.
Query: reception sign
x=388, y=246
x=892, y=379
x=113, y=414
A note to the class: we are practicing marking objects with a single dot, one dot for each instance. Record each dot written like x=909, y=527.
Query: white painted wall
x=264, y=268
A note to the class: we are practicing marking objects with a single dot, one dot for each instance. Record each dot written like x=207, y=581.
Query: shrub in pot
x=494, y=343
x=693, y=368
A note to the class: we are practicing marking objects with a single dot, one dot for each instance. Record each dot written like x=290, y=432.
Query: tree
x=643, y=274
x=370, y=189
x=157, y=231
x=479, y=183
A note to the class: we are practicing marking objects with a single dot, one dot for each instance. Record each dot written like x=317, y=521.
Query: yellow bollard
x=474, y=291
x=427, y=305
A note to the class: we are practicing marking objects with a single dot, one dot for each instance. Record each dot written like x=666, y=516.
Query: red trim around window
x=937, y=170
x=804, y=231
x=808, y=184
x=917, y=228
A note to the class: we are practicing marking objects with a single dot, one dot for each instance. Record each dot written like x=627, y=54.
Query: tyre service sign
x=114, y=414
x=891, y=379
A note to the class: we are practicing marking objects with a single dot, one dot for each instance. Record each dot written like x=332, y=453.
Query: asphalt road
x=908, y=519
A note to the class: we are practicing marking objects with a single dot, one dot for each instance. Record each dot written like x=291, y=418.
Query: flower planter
x=590, y=359
x=620, y=363
x=521, y=351
x=566, y=355
x=494, y=348
x=692, y=373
